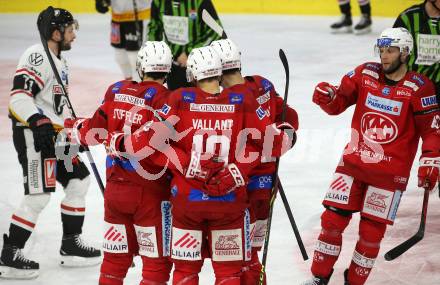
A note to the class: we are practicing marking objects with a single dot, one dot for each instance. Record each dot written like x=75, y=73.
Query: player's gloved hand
x=324, y=93
x=43, y=132
x=203, y=169
x=114, y=143
x=428, y=174
x=225, y=181
x=102, y=6
x=285, y=138
x=71, y=127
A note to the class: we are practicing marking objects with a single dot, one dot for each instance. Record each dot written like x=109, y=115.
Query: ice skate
x=75, y=253
x=364, y=25
x=343, y=26
x=13, y=265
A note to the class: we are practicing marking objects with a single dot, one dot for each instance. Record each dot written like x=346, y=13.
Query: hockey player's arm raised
x=335, y=100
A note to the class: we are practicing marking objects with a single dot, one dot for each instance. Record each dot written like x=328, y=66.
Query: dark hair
x=156, y=75
x=230, y=71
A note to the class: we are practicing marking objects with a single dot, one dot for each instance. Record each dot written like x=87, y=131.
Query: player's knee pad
x=156, y=270
x=32, y=205
x=333, y=223
x=123, y=61
x=371, y=232
x=116, y=264
x=75, y=192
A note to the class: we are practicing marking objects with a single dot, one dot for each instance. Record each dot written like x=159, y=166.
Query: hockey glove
x=71, y=127
x=102, y=6
x=429, y=171
x=225, y=181
x=43, y=132
x=203, y=170
x=324, y=93
x=284, y=139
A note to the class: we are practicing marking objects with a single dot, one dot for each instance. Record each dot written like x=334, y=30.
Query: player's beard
x=66, y=45
x=394, y=66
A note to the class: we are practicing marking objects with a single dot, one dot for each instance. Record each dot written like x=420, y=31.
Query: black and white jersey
x=35, y=88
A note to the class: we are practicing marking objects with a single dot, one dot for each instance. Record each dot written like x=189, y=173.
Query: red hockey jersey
x=388, y=121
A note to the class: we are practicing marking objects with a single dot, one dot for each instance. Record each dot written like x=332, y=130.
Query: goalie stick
x=406, y=245
x=72, y=112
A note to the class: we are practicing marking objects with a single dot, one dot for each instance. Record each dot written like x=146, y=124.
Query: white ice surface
x=314, y=55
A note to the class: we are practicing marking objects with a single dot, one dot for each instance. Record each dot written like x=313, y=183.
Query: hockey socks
x=251, y=272
x=367, y=249
x=329, y=243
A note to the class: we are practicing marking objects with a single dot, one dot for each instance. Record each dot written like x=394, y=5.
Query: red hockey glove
x=114, y=144
x=324, y=93
x=284, y=140
x=71, y=127
x=203, y=170
x=225, y=181
x=429, y=171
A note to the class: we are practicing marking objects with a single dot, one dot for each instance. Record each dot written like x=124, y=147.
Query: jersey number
x=215, y=145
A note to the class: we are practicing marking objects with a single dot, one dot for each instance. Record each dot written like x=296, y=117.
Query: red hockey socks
x=114, y=268
x=155, y=271
x=329, y=243
x=367, y=249
x=251, y=272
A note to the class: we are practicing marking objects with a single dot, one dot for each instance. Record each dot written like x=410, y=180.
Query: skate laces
x=18, y=255
x=363, y=20
x=83, y=245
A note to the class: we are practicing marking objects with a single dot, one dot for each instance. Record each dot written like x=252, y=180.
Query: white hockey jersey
x=35, y=88
x=123, y=10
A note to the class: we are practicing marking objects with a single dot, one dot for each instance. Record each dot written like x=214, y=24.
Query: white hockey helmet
x=203, y=63
x=396, y=37
x=154, y=57
x=229, y=53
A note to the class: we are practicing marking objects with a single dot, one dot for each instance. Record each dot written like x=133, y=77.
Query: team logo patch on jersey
x=368, y=82
x=35, y=59
x=373, y=66
x=261, y=113
x=235, y=98
x=371, y=73
x=115, y=238
x=227, y=245
x=50, y=165
x=212, y=108
x=386, y=91
x=383, y=105
x=149, y=94
x=188, y=96
x=186, y=244
x=339, y=190
x=418, y=79
x=165, y=109
x=133, y=100
x=429, y=101
x=146, y=238
x=196, y=195
x=267, y=85
x=116, y=87
x=378, y=128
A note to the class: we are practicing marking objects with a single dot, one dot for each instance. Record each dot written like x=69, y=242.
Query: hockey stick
x=292, y=221
x=406, y=245
x=277, y=166
x=136, y=24
x=210, y=22
x=72, y=112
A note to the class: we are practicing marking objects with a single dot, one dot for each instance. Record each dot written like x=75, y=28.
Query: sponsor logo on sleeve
x=133, y=100
x=378, y=128
x=373, y=66
x=383, y=105
x=263, y=98
x=35, y=59
x=212, y=108
x=227, y=245
x=261, y=113
x=50, y=172
x=411, y=85
x=351, y=73
x=339, y=190
x=235, y=98
x=188, y=96
x=115, y=238
x=429, y=101
x=146, y=238
x=267, y=85
x=403, y=92
x=371, y=73
x=116, y=87
x=149, y=94
x=418, y=79
x=368, y=82
x=186, y=244
x=165, y=109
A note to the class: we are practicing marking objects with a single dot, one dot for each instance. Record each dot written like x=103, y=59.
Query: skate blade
x=344, y=30
x=14, y=273
x=78, y=261
x=363, y=31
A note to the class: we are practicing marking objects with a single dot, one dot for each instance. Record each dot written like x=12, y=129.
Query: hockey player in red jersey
x=394, y=109
x=261, y=178
x=137, y=208
x=209, y=199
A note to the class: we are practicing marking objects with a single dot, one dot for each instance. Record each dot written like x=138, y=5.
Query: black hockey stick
x=72, y=112
x=292, y=221
x=277, y=165
x=210, y=22
x=136, y=24
x=406, y=245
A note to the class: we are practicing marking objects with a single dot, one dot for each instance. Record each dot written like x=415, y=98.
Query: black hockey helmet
x=52, y=19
